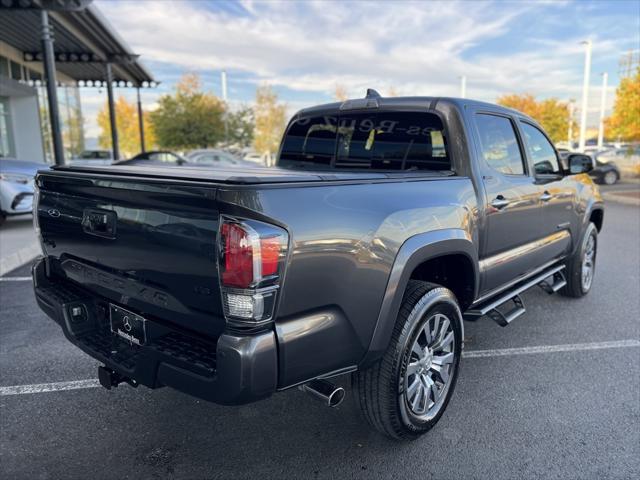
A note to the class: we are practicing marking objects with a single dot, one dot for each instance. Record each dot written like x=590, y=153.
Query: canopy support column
x=52, y=89
x=140, y=122
x=112, y=113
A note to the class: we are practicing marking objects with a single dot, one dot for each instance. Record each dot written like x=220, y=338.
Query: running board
x=558, y=282
x=490, y=307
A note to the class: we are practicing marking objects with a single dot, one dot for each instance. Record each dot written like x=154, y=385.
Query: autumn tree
x=340, y=93
x=241, y=124
x=551, y=113
x=392, y=92
x=624, y=122
x=189, y=118
x=269, y=120
x=128, y=127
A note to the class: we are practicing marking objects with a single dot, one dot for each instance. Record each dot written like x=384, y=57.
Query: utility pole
x=570, y=135
x=585, y=96
x=463, y=86
x=223, y=81
x=603, y=99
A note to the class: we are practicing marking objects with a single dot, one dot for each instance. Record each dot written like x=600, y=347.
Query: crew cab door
x=514, y=222
x=558, y=192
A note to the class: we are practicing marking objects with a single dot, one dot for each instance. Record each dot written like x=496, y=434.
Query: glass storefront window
x=16, y=71
x=6, y=135
x=4, y=66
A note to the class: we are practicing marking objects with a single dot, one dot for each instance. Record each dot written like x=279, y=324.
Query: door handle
x=546, y=196
x=499, y=202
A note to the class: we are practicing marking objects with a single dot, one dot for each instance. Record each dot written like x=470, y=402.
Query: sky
x=304, y=49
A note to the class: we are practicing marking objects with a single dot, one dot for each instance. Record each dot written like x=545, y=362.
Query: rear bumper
x=232, y=370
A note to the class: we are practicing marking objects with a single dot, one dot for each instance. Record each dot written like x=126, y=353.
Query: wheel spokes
x=413, y=367
x=430, y=364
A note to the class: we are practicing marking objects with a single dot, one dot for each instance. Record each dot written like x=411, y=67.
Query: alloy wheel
x=588, y=263
x=430, y=367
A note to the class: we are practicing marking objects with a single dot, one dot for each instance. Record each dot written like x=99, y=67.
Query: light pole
x=570, y=135
x=223, y=81
x=585, y=96
x=603, y=99
x=463, y=86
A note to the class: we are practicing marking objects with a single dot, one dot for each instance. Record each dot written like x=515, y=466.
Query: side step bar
x=490, y=307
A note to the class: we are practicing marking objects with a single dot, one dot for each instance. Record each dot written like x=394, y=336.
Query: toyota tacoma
x=385, y=224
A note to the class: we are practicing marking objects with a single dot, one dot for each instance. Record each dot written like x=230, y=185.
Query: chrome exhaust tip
x=324, y=391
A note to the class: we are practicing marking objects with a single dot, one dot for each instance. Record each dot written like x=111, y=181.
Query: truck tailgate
x=147, y=246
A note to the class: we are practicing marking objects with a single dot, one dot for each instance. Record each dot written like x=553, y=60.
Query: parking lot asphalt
x=567, y=412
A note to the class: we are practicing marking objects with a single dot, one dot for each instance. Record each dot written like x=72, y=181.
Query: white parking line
x=49, y=387
x=15, y=279
x=570, y=347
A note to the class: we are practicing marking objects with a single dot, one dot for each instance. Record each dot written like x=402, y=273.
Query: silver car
x=16, y=186
x=215, y=157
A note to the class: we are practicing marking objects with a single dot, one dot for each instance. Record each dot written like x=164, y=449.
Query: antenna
x=371, y=93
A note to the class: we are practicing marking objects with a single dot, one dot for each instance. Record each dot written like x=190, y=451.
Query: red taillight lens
x=238, y=256
x=270, y=255
x=251, y=252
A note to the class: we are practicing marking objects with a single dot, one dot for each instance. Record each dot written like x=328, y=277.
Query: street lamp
x=463, y=86
x=603, y=99
x=585, y=96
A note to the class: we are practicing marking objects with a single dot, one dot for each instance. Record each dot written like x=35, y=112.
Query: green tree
x=551, y=113
x=269, y=120
x=624, y=122
x=128, y=128
x=241, y=124
x=189, y=118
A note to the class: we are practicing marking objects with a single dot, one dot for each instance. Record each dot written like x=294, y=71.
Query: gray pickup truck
x=387, y=222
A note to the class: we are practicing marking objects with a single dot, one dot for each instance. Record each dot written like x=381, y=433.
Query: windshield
x=372, y=141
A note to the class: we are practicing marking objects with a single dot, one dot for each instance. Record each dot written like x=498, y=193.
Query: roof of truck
x=417, y=101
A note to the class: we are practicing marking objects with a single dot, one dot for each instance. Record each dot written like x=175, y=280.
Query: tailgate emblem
x=53, y=213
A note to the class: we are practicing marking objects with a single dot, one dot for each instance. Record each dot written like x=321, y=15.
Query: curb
x=612, y=197
x=19, y=258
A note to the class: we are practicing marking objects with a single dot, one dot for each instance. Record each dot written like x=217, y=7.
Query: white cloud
x=416, y=47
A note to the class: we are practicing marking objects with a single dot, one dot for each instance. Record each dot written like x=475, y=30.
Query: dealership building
x=71, y=43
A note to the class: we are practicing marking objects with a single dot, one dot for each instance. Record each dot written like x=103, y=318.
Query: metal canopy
x=86, y=49
x=77, y=34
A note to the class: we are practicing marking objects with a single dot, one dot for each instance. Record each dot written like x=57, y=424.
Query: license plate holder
x=128, y=325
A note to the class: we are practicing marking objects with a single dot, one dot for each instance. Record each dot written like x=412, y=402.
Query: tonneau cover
x=240, y=175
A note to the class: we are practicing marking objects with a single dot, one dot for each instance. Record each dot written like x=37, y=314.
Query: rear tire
x=581, y=266
x=404, y=394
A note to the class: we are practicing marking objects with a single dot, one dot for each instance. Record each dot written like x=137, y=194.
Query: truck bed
x=242, y=176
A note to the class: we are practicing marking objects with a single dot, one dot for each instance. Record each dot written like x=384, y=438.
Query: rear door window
x=380, y=141
x=499, y=144
x=541, y=151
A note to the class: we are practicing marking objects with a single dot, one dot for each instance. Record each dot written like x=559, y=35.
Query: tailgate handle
x=101, y=223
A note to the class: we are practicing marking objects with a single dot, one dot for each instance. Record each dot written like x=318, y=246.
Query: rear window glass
x=367, y=141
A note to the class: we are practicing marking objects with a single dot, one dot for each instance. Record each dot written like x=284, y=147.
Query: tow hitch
x=109, y=378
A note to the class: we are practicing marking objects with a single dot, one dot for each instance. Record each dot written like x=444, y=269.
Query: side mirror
x=579, y=163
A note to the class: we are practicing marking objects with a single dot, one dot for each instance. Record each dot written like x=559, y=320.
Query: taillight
x=251, y=262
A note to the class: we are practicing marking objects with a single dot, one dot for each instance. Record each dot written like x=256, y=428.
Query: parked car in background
x=93, y=157
x=16, y=186
x=260, y=158
x=215, y=157
x=605, y=172
x=155, y=157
